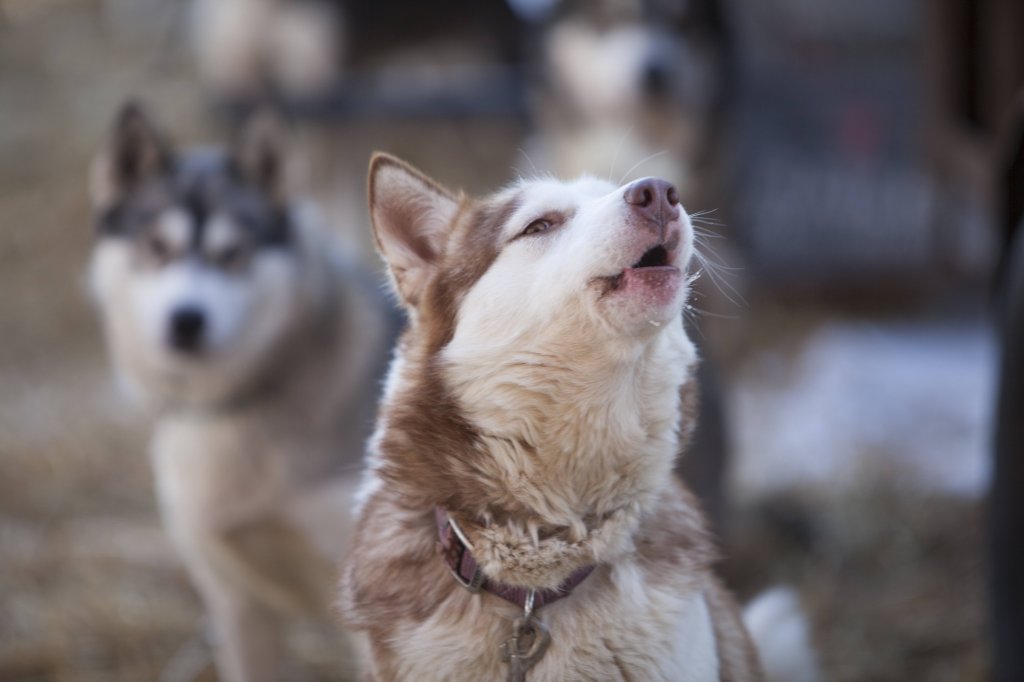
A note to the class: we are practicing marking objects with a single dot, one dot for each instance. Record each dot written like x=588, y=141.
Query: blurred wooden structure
x=975, y=70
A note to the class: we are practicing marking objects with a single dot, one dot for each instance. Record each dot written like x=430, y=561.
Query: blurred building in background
x=832, y=183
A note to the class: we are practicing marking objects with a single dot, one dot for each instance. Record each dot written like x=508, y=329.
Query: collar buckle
x=474, y=584
x=457, y=549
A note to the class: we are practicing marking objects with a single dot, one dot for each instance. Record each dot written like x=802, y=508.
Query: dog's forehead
x=191, y=189
x=537, y=196
x=222, y=206
x=201, y=198
x=203, y=178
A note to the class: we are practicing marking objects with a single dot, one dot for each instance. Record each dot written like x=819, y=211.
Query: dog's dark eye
x=536, y=227
x=230, y=257
x=159, y=250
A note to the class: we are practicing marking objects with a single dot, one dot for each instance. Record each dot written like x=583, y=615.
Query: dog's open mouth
x=655, y=257
x=655, y=267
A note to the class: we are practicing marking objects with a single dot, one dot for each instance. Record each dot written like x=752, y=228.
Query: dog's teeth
x=655, y=323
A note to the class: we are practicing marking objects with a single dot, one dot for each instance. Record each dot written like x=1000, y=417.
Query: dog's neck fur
x=558, y=416
x=541, y=464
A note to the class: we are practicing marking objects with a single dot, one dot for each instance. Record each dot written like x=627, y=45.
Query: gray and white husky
x=236, y=320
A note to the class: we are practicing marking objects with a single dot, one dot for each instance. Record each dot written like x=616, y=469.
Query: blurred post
x=975, y=64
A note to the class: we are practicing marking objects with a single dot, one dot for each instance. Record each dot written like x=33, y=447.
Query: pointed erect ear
x=260, y=153
x=411, y=217
x=136, y=152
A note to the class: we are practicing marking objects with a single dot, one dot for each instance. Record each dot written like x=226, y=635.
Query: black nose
x=655, y=200
x=186, y=330
x=655, y=78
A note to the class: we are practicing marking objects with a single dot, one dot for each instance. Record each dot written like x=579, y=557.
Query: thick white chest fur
x=616, y=626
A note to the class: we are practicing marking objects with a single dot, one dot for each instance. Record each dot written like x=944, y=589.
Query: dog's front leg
x=246, y=637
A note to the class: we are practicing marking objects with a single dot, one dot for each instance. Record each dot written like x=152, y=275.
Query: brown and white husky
x=530, y=424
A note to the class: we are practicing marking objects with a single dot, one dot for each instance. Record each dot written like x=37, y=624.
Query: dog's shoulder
x=674, y=545
x=737, y=655
x=674, y=536
x=393, y=572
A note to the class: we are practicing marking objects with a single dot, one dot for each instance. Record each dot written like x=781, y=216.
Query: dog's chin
x=172, y=381
x=652, y=287
x=642, y=299
x=183, y=390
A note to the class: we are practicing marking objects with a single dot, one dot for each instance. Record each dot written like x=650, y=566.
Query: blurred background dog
x=231, y=314
x=861, y=162
x=628, y=83
x=303, y=50
x=643, y=85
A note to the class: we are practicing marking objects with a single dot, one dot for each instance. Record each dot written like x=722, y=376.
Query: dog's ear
x=260, y=153
x=135, y=153
x=411, y=216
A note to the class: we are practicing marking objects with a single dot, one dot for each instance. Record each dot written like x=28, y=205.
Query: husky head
x=543, y=364
x=195, y=266
x=612, y=61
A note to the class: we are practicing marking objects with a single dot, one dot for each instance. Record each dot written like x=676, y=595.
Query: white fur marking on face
x=538, y=198
x=175, y=229
x=545, y=283
x=534, y=278
x=246, y=317
x=223, y=302
x=109, y=265
x=221, y=235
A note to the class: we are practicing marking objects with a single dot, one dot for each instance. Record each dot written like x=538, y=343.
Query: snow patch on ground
x=917, y=396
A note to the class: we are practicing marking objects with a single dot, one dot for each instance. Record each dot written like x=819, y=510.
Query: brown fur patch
x=382, y=585
x=689, y=409
x=432, y=449
x=737, y=656
x=679, y=540
x=621, y=669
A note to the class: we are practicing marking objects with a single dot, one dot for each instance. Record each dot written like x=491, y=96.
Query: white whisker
x=704, y=232
x=640, y=163
x=719, y=279
x=528, y=160
x=618, y=148
x=707, y=211
x=706, y=221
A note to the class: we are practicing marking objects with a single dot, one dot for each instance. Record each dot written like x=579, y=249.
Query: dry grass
x=893, y=580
